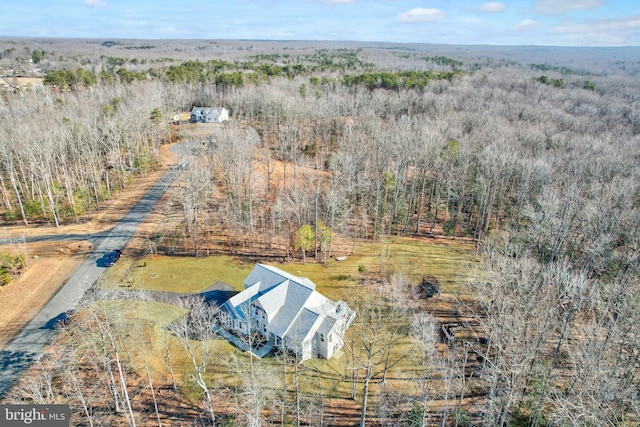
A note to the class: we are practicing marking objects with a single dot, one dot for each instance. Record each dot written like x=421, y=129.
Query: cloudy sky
x=517, y=22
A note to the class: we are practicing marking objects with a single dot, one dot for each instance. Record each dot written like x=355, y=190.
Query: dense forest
x=537, y=163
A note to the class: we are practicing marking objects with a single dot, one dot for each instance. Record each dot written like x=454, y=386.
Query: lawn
x=450, y=262
x=175, y=274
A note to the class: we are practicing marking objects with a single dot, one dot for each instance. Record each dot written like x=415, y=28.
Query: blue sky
x=518, y=22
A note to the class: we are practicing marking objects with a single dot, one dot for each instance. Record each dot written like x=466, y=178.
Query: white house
x=209, y=115
x=289, y=312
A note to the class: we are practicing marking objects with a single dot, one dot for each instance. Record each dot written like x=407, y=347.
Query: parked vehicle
x=60, y=321
x=112, y=257
x=63, y=319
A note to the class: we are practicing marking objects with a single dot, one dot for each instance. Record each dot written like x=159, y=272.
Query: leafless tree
x=195, y=332
x=371, y=341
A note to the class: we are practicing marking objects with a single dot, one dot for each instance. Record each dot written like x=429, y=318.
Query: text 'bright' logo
x=34, y=415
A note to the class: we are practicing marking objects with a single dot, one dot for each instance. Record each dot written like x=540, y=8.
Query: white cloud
x=527, y=25
x=558, y=7
x=420, y=14
x=493, y=7
x=605, y=27
x=605, y=32
x=94, y=3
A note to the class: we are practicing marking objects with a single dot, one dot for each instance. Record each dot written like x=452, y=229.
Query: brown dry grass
x=24, y=297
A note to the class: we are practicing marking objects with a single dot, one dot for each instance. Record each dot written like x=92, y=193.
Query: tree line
x=63, y=154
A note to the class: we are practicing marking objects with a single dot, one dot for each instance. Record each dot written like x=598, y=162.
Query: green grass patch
x=175, y=274
x=147, y=337
x=450, y=263
x=154, y=315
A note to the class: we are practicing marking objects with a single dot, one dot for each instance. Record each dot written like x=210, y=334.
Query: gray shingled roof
x=271, y=302
x=295, y=300
x=326, y=325
x=269, y=276
x=302, y=325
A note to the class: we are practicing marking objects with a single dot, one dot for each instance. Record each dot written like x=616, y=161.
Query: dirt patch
x=93, y=221
x=22, y=299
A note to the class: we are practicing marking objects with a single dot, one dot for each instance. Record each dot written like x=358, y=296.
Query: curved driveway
x=25, y=346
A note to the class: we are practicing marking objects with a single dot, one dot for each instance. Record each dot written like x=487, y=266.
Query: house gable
x=272, y=300
x=293, y=303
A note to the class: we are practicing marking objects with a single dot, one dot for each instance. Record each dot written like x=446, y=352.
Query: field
x=449, y=261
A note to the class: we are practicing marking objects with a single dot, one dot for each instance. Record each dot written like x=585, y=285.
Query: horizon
x=548, y=23
x=9, y=37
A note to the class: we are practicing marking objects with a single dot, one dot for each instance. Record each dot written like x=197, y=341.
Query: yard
x=329, y=381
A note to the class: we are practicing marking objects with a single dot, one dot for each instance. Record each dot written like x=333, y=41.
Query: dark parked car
x=112, y=257
x=60, y=321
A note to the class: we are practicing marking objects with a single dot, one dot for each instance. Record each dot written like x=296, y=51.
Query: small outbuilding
x=429, y=287
x=209, y=115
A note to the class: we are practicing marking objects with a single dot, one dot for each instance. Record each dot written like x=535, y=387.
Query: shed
x=429, y=288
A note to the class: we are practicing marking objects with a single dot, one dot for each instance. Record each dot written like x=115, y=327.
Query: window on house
x=321, y=337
